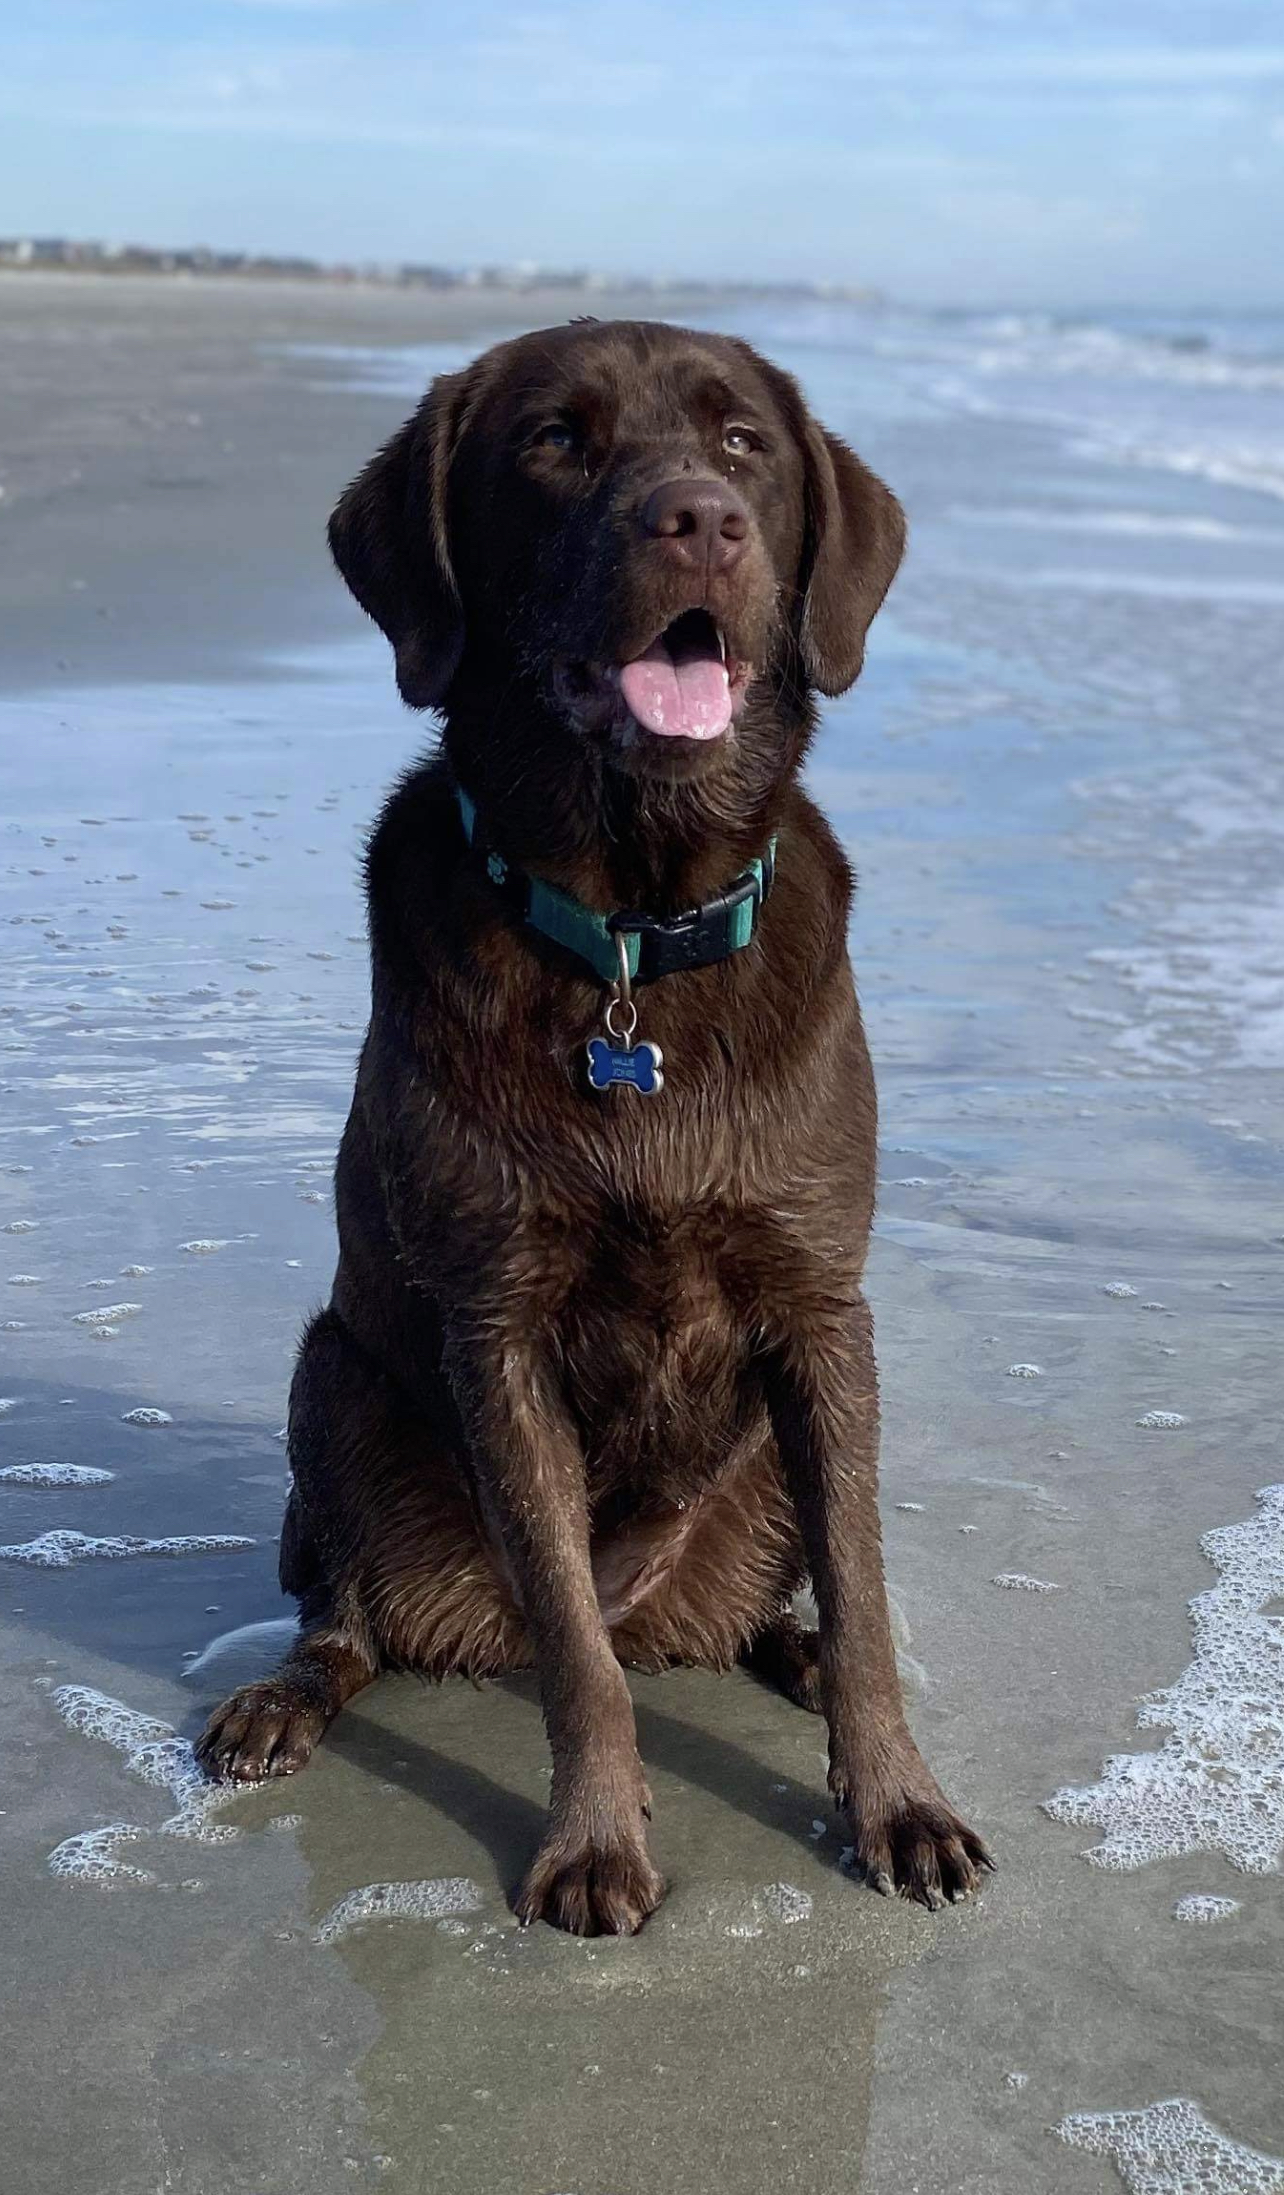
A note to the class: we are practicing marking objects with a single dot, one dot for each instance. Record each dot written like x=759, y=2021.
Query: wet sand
x=166, y=478
x=187, y=784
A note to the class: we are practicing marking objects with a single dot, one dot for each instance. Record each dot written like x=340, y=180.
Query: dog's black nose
x=702, y=523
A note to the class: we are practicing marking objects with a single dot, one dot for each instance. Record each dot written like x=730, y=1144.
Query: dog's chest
x=655, y=1356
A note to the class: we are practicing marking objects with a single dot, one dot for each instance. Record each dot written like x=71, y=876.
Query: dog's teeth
x=722, y=642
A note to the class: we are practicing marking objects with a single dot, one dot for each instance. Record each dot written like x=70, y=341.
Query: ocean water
x=1062, y=783
x=1199, y=394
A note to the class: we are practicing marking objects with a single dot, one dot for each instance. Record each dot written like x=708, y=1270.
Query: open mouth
x=684, y=686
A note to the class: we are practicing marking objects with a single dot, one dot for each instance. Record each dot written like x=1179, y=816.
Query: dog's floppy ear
x=853, y=541
x=390, y=539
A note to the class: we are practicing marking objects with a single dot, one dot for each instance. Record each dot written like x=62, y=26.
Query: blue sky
x=1053, y=151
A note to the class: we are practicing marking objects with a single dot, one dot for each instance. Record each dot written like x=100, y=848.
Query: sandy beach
x=1061, y=779
x=171, y=477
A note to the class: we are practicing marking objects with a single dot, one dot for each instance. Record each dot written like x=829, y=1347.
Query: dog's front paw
x=590, y=1886
x=263, y=1730
x=907, y=1839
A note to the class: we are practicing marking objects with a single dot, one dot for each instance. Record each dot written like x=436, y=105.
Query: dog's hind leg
x=785, y=1655
x=299, y=1565
x=269, y=1729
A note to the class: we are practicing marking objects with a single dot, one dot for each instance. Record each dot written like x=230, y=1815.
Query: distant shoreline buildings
x=66, y=255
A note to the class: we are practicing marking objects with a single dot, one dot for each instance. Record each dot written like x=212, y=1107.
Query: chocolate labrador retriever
x=596, y=1383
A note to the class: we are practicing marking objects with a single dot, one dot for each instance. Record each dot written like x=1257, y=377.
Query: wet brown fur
x=596, y=1382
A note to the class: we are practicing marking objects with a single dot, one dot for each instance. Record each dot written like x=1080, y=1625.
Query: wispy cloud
x=732, y=134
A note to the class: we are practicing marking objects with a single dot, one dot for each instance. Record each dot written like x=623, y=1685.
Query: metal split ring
x=621, y=998
x=619, y=1001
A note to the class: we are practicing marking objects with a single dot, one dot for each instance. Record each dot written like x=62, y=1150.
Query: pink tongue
x=690, y=700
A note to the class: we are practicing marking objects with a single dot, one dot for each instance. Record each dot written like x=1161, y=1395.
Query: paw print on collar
x=496, y=868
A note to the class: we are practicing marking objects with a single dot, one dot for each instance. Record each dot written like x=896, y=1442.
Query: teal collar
x=652, y=945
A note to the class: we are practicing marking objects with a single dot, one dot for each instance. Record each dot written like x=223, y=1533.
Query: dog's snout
x=700, y=522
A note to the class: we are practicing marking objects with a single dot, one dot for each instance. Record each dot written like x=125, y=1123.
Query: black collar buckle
x=701, y=935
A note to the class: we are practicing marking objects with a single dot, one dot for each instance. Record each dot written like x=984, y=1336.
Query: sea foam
x=53, y=1474
x=410, y=1901
x=59, y=1549
x=110, y=1314
x=152, y=1751
x=1204, y=1911
x=779, y=1905
x=1170, y=2148
x=1217, y=1783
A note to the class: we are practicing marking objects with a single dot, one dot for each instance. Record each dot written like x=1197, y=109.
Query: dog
x=596, y=1387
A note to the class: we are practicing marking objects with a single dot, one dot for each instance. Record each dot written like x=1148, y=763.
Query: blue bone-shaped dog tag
x=638, y=1066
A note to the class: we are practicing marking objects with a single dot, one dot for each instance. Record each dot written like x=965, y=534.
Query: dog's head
x=635, y=535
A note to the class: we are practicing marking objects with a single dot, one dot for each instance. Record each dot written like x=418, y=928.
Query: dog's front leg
x=593, y=1872
x=823, y=1395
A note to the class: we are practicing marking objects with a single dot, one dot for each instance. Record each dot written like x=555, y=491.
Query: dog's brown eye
x=739, y=441
x=556, y=434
